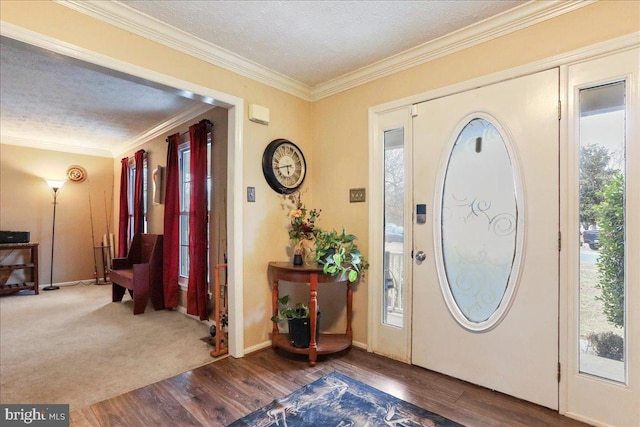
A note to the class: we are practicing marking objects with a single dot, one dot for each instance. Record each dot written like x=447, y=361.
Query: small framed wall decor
x=157, y=178
x=76, y=174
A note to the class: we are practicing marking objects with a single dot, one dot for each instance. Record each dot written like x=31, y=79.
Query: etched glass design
x=479, y=220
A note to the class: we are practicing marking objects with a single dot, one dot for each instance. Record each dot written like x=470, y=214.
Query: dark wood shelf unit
x=31, y=267
x=326, y=343
x=17, y=266
x=12, y=288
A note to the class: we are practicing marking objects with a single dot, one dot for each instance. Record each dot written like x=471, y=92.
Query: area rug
x=339, y=401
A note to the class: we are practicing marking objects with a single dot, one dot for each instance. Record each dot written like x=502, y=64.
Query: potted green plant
x=338, y=254
x=299, y=320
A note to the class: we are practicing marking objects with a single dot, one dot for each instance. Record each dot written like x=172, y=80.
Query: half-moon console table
x=326, y=343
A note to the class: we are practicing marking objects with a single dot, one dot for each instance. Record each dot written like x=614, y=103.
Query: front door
x=485, y=278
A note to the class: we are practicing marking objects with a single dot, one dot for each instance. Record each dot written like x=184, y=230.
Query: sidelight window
x=602, y=217
x=394, y=257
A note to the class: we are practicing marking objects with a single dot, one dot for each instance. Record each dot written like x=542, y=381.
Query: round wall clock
x=283, y=166
x=76, y=174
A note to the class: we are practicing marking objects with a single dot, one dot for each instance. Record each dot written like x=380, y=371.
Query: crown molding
x=55, y=146
x=512, y=20
x=129, y=19
x=163, y=128
x=587, y=53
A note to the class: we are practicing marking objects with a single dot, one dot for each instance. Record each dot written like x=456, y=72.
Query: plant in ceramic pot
x=338, y=254
x=299, y=320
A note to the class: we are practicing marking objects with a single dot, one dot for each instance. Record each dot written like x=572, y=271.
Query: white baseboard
x=73, y=283
x=361, y=345
x=183, y=310
x=586, y=420
x=257, y=347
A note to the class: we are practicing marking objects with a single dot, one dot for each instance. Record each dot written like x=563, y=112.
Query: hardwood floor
x=223, y=391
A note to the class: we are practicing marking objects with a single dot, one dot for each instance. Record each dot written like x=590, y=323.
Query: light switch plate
x=251, y=194
x=357, y=195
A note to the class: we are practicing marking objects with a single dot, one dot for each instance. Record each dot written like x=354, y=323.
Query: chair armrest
x=121, y=264
x=140, y=268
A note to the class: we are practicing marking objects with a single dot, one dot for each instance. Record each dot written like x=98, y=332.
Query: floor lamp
x=55, y=186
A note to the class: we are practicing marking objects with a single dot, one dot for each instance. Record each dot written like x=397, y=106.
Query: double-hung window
x=131, y=195
x=184, y=163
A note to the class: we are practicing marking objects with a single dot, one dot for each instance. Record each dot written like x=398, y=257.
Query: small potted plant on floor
x=338, y=254
x=299, y=320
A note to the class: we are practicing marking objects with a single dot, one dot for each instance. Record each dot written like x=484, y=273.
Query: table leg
x=274, y=310
x=34, y=271
x=349, y=304
x=313, y=307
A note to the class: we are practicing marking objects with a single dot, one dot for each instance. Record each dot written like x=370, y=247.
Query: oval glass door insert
x=480, y=226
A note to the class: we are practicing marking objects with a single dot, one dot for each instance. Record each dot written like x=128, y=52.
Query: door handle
x=421, y=256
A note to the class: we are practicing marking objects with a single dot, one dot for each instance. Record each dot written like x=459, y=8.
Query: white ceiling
x=313, y=42
x=52, y=101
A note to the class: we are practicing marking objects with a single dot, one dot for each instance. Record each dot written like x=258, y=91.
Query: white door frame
x=389, y=341
x=376, y=207
x=235, y=107
x=583, y=393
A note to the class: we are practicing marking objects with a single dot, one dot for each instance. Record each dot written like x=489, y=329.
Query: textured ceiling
x=316, y=41
x=55, y=102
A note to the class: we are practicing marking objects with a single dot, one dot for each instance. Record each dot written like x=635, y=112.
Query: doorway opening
x=234, y=107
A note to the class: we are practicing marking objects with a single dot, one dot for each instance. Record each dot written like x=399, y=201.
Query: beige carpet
x=75, y=346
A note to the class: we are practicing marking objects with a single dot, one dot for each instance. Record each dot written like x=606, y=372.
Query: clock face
x=283, y=166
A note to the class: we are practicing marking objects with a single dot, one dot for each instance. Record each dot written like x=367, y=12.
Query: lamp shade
x=56, y=184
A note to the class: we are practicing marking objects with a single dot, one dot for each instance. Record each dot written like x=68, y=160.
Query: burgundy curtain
x=171, y=248
x=138, y=199
x=123, y=215
x=197, y=294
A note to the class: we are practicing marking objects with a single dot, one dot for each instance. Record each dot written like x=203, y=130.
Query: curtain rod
x=209, y=123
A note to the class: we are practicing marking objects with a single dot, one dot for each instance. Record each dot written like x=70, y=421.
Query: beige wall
x=26, y=204
x=331, y=132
